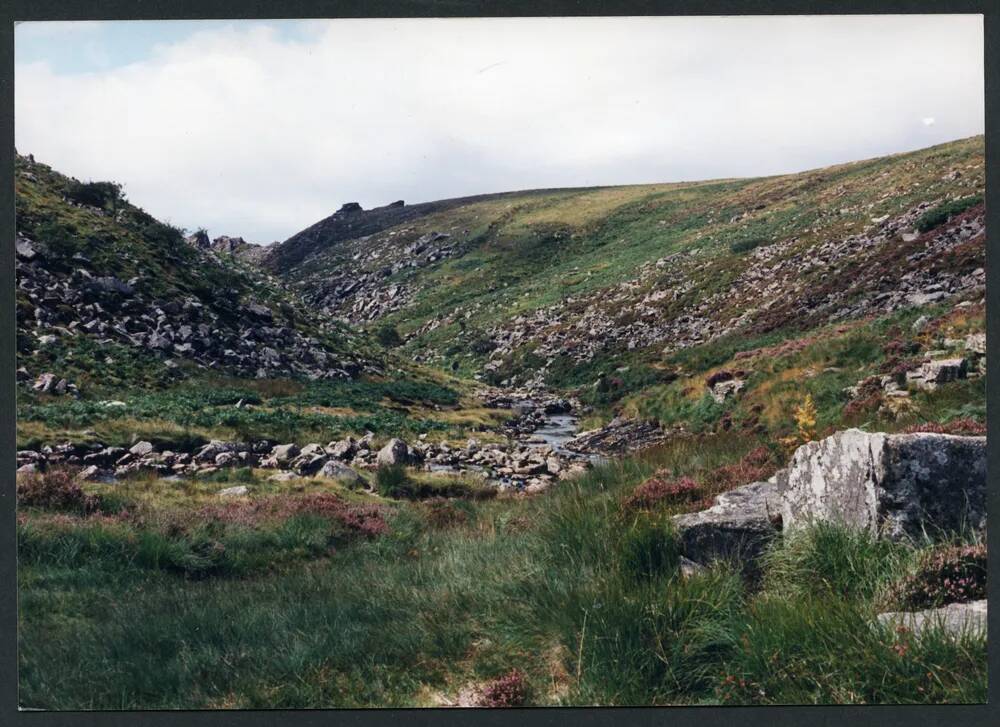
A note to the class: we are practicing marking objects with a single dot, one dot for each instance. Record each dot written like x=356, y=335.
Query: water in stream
x=555, y=432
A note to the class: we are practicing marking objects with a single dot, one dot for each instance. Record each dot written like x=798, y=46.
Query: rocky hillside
x=545, y=287
x=97, y=273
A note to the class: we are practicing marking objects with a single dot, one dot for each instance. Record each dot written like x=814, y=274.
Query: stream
x=555, y=432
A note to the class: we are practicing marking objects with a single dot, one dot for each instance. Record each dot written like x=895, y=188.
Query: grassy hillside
x=654, y=284
x=518, y=254
x=119, y=305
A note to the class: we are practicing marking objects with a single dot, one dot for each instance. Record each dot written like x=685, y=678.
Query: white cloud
x=928, y=121
x=249, y=133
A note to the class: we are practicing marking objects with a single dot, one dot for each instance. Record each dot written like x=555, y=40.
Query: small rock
x=724, y=389
x=24, y=249
x=337, y=470
x=225, y=459
x=141, y=449
x=283, y=453
x=395, y=452
x=93, y=473
x=237, y=491
x=689, y=568
x=45, y=383
x=345, y=449
x=944, y=370
x=976, y=343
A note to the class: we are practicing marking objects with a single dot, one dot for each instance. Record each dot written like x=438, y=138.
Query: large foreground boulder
x=900, y=486
x=737, y=528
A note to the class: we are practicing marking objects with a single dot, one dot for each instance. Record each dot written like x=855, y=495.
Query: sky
x=260, y=128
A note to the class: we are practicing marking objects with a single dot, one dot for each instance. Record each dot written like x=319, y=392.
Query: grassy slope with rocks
x=300, y=596
x=571, y=283
x=325, y=381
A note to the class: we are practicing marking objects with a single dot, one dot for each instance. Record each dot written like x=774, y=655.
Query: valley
x=527, y=448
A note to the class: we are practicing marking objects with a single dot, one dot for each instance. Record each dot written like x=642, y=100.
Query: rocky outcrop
x=60, y=304
x=350, y=222
x=619, y=436
x=934, y=372
x=144, y=288
x=900, y=486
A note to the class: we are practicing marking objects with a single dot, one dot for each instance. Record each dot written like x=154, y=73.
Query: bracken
x=656, y=491
x=963, y=426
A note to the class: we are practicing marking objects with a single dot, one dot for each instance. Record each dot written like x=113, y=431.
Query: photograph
x=499, y=362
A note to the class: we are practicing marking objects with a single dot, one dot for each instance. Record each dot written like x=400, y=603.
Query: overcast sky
x=259, y=128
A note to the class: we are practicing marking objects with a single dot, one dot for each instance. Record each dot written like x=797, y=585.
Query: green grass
x=201, y=408
x=580, y=594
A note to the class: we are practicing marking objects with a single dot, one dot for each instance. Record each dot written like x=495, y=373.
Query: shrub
x=96, y=194
x=746, y=245
x=388, y=336
x=900, y=347
x=954, y=574
x=660, y=491
x=509, y=690
x=704, y=415
x=862, y=406
x=163, y=235
x=756, y=465
x=805, y=419
x=805, y=424
x=719, y=376
x=56, y=490
x=353, y=519
x=945, y=211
